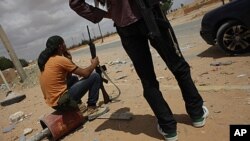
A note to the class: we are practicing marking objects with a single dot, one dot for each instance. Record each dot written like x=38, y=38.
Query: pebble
x=221, y=63
x=16, y=116
x=217, y=111
x=121, y=77
x=9, y=128
x=241, y=75
x=27, y=131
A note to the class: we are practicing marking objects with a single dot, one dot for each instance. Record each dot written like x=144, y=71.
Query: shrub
x=5, y=63
x=23, y=62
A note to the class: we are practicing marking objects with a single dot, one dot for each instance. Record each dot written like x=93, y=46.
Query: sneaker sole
x=175, y=138
x=99, y=113
x=203, y=122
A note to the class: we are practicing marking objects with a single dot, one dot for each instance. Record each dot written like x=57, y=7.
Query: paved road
x=186, y=33
x=183, y=32
x=192, y=27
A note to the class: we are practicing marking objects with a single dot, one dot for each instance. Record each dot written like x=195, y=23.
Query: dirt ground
x=224, y=88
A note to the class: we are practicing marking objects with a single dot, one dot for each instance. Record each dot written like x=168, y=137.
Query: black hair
x=51, y=49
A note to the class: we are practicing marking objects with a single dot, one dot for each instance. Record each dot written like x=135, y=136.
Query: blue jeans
x=135, y=42
x=77, y=89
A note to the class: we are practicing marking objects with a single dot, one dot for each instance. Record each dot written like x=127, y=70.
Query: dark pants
x=91, y=85
x=77, y=89
x=135, y=42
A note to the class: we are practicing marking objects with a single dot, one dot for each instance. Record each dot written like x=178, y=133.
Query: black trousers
x=134, y=39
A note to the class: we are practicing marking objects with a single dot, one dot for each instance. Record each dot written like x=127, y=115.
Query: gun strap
x=118, y=89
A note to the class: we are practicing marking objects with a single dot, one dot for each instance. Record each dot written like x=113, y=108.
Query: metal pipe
x=41, y=135
x=4, y=80
x=12, y=54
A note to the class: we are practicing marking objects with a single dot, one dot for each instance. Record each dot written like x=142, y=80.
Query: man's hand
x=95, y=61
x=85, y=72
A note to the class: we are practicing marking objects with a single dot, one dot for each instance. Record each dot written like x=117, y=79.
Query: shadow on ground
x=140, y=124
x=215, y=52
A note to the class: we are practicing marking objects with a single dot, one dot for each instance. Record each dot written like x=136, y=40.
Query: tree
x=182, y=5
x=5, y=63
x=166, y=5
x=23, y=62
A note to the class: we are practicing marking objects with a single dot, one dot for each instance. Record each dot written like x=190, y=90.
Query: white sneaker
x=94, y=113
x=200, y=122
x=167, y=136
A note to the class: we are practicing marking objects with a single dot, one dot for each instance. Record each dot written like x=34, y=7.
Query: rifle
x=154, y=18
x=101, y=70
x=98, y=69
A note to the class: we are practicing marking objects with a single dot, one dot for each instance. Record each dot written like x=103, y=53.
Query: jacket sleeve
x=87, y=11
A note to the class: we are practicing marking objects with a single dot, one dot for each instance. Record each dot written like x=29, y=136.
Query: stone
x=14, y=118
x=27, y=131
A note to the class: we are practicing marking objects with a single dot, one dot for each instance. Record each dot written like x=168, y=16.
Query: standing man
x=134, y=37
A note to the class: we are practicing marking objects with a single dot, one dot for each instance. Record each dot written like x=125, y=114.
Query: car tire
x=233, y=38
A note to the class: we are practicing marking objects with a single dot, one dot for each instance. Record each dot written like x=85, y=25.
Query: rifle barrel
x=90, y=40
x=91, y=45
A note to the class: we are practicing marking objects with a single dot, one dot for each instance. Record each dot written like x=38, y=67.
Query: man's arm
x=87, y=11
x=85, y=72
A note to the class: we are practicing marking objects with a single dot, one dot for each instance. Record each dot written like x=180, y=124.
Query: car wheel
x=233, y=38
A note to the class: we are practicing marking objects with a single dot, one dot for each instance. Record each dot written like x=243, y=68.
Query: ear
x=62, y=48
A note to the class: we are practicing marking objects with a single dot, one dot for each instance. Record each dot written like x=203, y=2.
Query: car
x=228, y=27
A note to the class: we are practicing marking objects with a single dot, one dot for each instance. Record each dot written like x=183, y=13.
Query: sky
x=177, y=3
x=29, y=23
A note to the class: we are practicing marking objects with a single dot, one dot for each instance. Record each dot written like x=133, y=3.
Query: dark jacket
x=122, y=12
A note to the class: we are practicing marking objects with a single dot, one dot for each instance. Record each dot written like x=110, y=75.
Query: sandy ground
x=224, y=88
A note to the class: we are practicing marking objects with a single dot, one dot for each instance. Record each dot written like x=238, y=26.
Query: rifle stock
x=148, y=16
x=98, y=69
x=154, y=19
